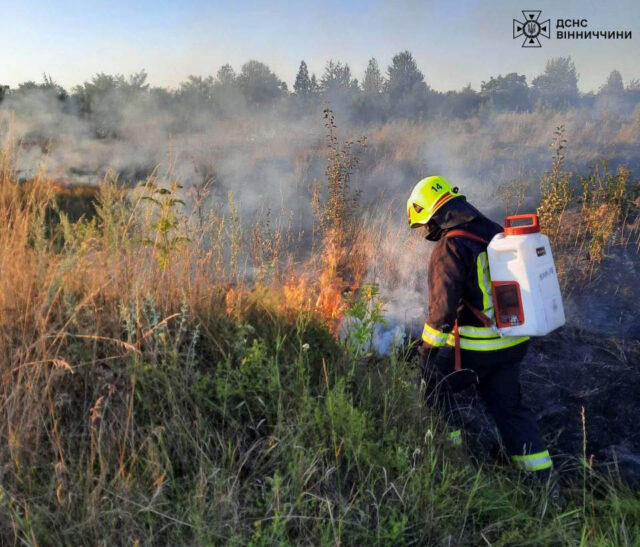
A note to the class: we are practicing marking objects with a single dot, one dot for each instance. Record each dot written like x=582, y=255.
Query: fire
x=319, y=286
x=296, y=292
x=331, y=286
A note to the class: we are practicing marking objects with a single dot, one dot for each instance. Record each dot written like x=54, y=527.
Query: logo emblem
x=531, y=28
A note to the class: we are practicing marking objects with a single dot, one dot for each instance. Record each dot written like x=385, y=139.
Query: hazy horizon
x=453, y=45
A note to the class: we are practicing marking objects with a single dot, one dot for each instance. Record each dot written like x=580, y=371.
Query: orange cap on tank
x=511, y=230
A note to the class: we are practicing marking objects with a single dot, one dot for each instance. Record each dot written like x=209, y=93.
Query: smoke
x=268, y=154
x=404, y=313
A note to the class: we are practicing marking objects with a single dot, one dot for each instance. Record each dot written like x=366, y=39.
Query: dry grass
x=66, y=284
x=584, y=223
x=168, y=377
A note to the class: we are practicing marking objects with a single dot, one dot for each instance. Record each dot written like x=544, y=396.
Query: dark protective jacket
x=459, y=273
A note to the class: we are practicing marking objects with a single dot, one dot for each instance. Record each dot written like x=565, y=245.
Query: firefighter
x=460, y=345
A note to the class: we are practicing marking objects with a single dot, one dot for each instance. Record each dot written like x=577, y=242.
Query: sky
x=454, y=42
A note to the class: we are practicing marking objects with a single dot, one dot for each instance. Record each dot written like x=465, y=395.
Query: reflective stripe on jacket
x=459, y=270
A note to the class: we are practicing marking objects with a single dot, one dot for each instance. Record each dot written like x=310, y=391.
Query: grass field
x=171, y=375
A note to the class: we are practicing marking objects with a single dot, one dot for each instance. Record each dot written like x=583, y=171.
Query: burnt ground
x=563, y=373
x=574, y=369
x=593, y=363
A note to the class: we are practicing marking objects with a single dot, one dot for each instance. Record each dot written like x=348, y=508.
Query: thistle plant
x=167, y=220
x=365, y=311
x=555, y=188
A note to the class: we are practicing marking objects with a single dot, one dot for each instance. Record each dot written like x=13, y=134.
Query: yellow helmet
x=427, y=197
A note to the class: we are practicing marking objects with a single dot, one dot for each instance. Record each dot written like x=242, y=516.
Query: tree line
x=400, y=92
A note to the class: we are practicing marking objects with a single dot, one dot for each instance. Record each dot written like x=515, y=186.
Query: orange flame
x=318, y=287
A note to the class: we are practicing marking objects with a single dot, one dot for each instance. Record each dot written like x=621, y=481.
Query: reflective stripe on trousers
x=455, y=437
x=534, y=462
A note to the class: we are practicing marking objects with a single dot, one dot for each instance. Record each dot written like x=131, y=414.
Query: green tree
x=509, y=92
x=405, y=86
x=455, y=104
x=196, y=89
x=259, y=85
x=107, y=88
x=613, y=85
x=337, y=77
x=105, y=99
x=557, y=87
x=373, y=82
x=315, y=86
x=162, y=98
x=47, y=85
x=404, y=77
x=225, y=77
x=227, y=97
x=632, y=92
x=136, y=82
x=302, y=85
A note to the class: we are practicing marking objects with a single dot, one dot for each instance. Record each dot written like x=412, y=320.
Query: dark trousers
x=496, y=375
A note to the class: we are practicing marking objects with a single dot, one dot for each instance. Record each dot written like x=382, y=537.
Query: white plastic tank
x=526, y=292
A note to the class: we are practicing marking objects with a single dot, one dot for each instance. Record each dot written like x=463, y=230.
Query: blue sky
x=455, y=41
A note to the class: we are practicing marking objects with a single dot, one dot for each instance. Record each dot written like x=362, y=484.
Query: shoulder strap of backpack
x=468, y=235
x=482, y=317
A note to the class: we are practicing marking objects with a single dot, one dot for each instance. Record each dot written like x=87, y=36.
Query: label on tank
x=541, y=251
x=546, y=273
